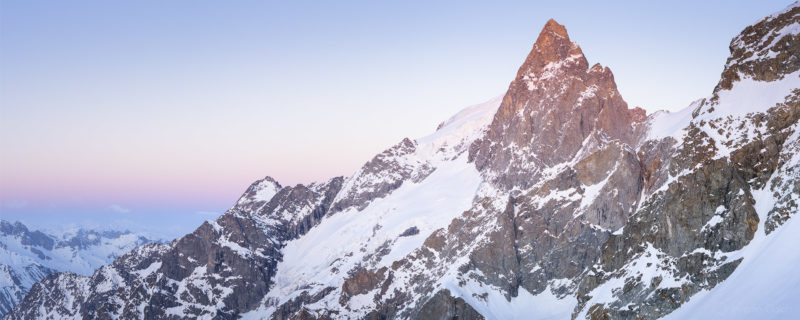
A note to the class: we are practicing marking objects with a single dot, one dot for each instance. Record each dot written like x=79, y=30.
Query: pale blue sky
x=176, y=106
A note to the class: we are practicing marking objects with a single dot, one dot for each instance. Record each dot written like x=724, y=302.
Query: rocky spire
x=554, y=106
x=551, y=46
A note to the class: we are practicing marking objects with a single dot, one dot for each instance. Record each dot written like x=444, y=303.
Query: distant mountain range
x=555, y=201
x=27, y=256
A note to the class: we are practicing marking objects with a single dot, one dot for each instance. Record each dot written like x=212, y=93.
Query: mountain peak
x=551, y=26
x=551, y=108
x=552, y=47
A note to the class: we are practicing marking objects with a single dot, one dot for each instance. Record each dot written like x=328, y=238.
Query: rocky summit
x=552, y=107
x=553, y=201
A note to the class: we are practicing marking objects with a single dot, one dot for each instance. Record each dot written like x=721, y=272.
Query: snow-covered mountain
x=555, y=201
x=27, y=256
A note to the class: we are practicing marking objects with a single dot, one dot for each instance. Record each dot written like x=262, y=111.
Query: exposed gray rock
x=383, y=174
x=443, y=306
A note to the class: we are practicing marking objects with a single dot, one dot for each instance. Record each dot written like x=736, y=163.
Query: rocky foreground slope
x=27, y=256
x=555, y=201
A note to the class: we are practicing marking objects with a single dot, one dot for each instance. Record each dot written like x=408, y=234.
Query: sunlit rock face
x=555, y=103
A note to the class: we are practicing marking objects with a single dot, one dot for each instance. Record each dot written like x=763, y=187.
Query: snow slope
x=461, y=129
x=427, y=206
x=399, y=223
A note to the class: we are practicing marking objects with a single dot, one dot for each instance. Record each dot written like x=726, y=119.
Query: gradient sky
x=156, y=115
